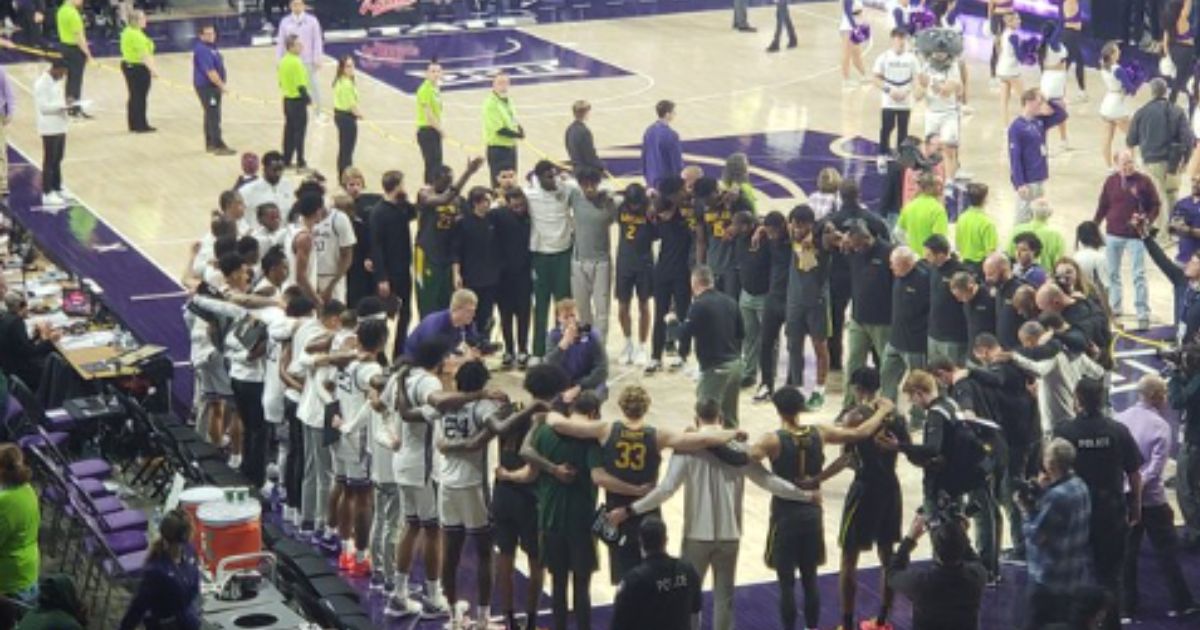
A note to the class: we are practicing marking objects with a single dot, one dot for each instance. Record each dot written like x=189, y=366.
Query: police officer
x=662, y=592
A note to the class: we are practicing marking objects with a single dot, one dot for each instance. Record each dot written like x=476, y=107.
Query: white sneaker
x=881, y=163
x=627, y=353
x=52, y=199
x=66, y=193
x=640, y=357
x=675, y=362
x=458, y=617
x=435, y=607
x=692, y=372
x=400, y=605
x=653, y=366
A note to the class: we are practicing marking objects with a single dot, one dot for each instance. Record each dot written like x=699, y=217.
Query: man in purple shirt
x=455, y=325
x=1153, y=437
x=1027, y=149
x=8, y=102
x=1185, y=223
x=307, y=30
x=661, y=154
x=208, y=77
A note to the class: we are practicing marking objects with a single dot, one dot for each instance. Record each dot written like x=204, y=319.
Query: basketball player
x=671, y=271
x=309, y=210
x=796, y=540
x=635, y=269
x=334, y=241
x=438, y=208
x=631, y=454
x=353, y=382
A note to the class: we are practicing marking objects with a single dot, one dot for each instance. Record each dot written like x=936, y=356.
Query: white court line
x=1120, y=389
x=1139, y=352
x=146, y=297
x=1138, y=365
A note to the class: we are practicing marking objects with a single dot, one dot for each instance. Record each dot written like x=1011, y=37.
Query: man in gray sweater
x=591, y=262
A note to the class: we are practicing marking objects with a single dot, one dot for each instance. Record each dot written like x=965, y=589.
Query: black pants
x=673, y=292
x=1018, y=463
x=501, y=159
x=210, y=100
x=893, y=119
x=1045, y=606
x=1109, y=540
x=783, y=19
x=515, y=299
x=1137, y=13
x=137, y=79
x=729, y=283
x=76, y=61
x=839, y=299
x=53, y=149
x=774, y=316
x=32, y=33
x=293, y=467
x=1184, y=58
x=1157, y=524
x=401, y=301
x=1071, y=39
x=785, y=573
x=247, y=395
x=347, y=128
x=430, y=142
x=485, y=308
x=295, y=124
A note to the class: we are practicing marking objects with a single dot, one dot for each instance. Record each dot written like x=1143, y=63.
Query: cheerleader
x=1008, y=66
x=998, y=12
x=1071, y=17
x=851, y=51
x=1179, y=45
x=901, y=11
x=1052, y=57
x=1114, y=109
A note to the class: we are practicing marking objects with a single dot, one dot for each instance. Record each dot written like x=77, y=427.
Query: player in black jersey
x=635, y=269
x=672, y=272
x=631, y=455
x=796, y=541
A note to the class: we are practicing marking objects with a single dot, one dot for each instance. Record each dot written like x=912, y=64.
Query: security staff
x=662, y=592
x=947, y=321
x=137, y=64
x=73, y=43
x=293, y=84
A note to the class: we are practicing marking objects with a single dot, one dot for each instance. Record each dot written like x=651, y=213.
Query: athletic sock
x=482, y=614
x=402, y=584
x=433, y=589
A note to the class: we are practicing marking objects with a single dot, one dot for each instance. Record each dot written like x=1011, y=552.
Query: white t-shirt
x=241, y=366
x=267, y=240
x=329, y=237
x=899, y=73
x=465, y=469
x=933, y=99
x=414, y=461
x=50, y=99
x=260, y=191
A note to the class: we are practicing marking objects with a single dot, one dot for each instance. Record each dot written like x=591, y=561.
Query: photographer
x=576, y=348
x=947, y=593
x=1183, y=393
x=1057, y=511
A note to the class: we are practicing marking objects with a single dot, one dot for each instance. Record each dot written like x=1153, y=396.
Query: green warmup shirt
x=566, y=507
x=345, y=95
x=923, y=217
x=974, y=235
x=428, y=96
x=135, y=46
x=19, y=520
x=292, y=76
x=1052, y=243
x=70, y=24
x=498, y=113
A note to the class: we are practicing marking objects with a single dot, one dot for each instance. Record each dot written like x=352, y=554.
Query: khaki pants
x=861, y=339
x=722, y=556
x=1167, y=185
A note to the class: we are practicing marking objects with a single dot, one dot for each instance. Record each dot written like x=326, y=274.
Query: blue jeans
x=1114, y=251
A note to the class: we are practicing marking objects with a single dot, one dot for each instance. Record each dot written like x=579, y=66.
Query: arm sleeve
x=667, y=486
x=1164, y=262
x=848, y=12
x=1056, y=117
x=1159, y=452
x=147, y=592
x=598, y=375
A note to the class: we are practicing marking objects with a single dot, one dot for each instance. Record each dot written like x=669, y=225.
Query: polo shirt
x=205, y=58
x=345, y=95
x=921, y=218
x=293, y=76
x=980, y=314
x=135, y=45
x=428, y=95
x=947, y=321
x=910, y=311
x=1008, y=320
x=974, y=235
x=70, y=24
x=870, y=279
x=498, y=114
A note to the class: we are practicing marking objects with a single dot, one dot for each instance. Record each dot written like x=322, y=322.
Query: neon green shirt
x=923, y=217
x=974, y=235
x=1051, y=238
x=135, y=45
x=70, y=24
x=292, y=76
x=428, y=96
x=498, y=113
x=345, y=95
x=19, y=522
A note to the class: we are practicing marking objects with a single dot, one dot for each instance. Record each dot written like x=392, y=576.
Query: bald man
x=1044, y=353
x=1128, y=199
x=997, y=273
x=907, y=338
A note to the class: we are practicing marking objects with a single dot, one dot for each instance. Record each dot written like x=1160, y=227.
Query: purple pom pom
x=1027, y=51
x=1135, y=76
x=921, y=20
x=861, y=33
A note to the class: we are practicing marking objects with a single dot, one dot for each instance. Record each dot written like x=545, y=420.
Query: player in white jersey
x=1008, y=65
x=312, y=407
x=416, y=469
x=943, y=110
x=270, y=229
x=334, y=240
x=352, y=449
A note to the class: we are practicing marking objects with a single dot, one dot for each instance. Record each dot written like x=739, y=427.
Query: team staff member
x=429, y=119
x=208, y=77
x=997, y=272
x=979, y=306
x=294, y=85
x=72, y=40
x=391, y=251
x=305, y=28
x=500, y=128
x=871, y=277
x=476, y=255
x=591, y=258
x=137, y=64
x=345, y=112
x=438, y=210
x=662, y=592
x=671, y=290
x=908, y=340
x=52, y=107
x=753, y=262
x=947, y=321
x=515, y=298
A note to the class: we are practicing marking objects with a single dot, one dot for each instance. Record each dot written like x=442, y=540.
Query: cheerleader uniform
x=1008, y=67
x=1114, y=106
x=901, y=14
x=1182, y=48
x=851, y=14
x=1054, y=72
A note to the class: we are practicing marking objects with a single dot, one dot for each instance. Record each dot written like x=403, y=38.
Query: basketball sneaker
x=435, y=607
x=399, y=605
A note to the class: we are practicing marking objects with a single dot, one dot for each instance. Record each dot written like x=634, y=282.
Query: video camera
x=948, y=510
x=1184, y=358
x=1028, y=491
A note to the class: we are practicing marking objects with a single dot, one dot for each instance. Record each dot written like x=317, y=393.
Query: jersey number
x=631, y=456
x=631, y=231
x=445, y=221
x=718, y=229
